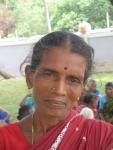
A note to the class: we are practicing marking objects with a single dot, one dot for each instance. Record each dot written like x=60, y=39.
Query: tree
x=6, y=20
x=70, y=13
x=47, y=16
x=29, y=17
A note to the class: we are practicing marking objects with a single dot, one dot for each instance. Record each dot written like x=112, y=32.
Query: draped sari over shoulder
x=82, y=134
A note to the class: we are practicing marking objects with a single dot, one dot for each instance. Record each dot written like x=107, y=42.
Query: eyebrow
x=56, y=72
x=48, y=69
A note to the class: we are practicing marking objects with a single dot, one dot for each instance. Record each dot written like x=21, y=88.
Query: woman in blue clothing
x=105, y=102
x=92, y=87
x=108, y=95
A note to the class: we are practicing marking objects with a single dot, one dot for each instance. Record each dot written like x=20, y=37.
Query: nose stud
x=53, y=88
x=78, y=98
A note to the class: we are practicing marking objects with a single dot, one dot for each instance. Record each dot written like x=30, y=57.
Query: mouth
x=55, y=103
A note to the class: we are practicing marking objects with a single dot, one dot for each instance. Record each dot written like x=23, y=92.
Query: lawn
x=102, y=79
x=13, y=90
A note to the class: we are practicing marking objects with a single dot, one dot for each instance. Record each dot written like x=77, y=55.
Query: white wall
x=12, y=53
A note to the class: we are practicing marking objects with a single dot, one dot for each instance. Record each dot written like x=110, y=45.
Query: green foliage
x=29, y=21
x=29, y=17
x=108, y=111
x=102, y=79
x=108, y=108
x=71, y=12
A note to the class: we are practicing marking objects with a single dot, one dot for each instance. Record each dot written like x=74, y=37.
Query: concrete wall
x=103, y=46
x=12, y=53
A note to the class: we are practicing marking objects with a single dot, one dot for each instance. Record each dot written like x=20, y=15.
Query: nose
x=59, y=88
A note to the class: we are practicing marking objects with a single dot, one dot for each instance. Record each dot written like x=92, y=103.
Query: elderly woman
x=60, y=65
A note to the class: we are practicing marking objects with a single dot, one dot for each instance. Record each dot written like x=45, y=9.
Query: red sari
x=82, y=134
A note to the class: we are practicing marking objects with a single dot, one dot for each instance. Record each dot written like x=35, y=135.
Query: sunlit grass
x=102, y=79
x=11, y=92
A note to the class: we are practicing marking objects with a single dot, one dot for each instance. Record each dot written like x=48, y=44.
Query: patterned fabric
x=61, y=135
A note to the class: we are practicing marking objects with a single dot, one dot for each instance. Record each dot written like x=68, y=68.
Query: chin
x=58, y=113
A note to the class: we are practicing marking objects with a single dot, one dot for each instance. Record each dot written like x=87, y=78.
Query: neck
x=43, y=123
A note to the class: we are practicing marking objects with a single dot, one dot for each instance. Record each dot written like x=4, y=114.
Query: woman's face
x=57, y=82
x=92, y=87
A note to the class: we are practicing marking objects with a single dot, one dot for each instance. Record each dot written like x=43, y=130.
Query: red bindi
x=65, y=68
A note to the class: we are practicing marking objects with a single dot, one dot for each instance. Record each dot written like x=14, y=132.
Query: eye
x=48, y=73
x=74, y=80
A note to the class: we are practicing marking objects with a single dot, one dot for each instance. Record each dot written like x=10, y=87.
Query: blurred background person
x=4, y=117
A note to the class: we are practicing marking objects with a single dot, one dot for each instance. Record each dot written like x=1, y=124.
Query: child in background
x=27, y=106
x=92, y=87
x=28, y=101
x=89, y=106
x=24, y=111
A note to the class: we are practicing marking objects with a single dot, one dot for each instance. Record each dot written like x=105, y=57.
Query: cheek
x=75, y=93
x=40, y=88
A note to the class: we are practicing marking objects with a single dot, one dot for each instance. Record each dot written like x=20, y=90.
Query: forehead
x=92, y=84
x=61, y=58
x=109, y=88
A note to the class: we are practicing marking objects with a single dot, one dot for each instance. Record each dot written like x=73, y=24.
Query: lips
x=55, y=103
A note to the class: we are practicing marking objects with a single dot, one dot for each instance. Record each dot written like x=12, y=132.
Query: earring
x=52, y=89
x=78, y=98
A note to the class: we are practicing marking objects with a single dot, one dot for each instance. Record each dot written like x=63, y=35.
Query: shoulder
x=103, y=129
x=103, y=99
x=101, y=123
x=97, y=92
x=100, y=132
x=96, y=126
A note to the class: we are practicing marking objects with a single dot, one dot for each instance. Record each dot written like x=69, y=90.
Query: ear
x=29, y=76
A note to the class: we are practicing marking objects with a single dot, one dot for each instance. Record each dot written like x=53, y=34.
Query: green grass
x=13, y=90
x=102, y=79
